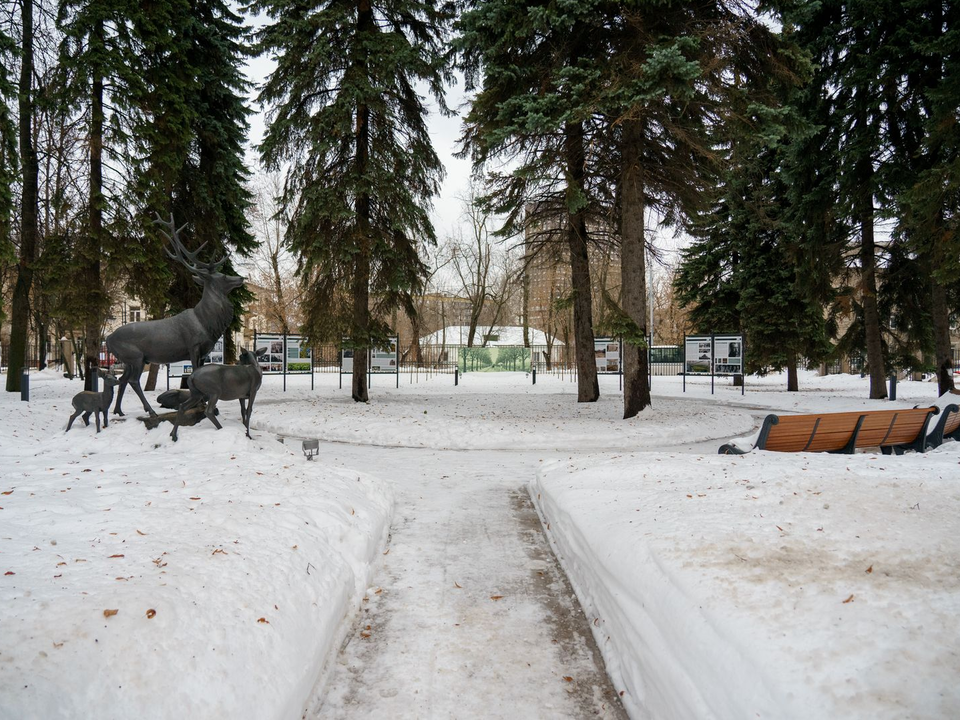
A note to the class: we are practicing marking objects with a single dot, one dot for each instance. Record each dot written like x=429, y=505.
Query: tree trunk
x=526, y=308
x=20, y=312
x=588, y=387
x=152, y=372
x=361, y=274
x=868, y=281
x=90, y=273
x=636, y=382
x=793, y=382
x=941, y=334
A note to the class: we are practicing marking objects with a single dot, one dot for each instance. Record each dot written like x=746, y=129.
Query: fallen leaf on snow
x=9, y=572
x=869, y=569
x=568, y=678
x=457, y=585
x=496, y=597
x=150, y=613
x=110, y=613
x=6, y=492
x=140, y=533
x=263, y=620
x=849, y=599
x=116, y=556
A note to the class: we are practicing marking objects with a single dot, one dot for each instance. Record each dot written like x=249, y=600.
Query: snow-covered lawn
x=139, y=578
x=716, y=586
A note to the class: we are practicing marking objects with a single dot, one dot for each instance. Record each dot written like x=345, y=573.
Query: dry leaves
x=263, y=620
x=869, y=569
x=116, y=556
x=496, y=597
x=151, y=613
x=7, y=492
x=567, y=678
x=457, y=585
x=110, y=613
x=140, y=533
x=849, y=599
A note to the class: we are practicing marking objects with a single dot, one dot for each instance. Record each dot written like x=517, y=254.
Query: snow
x=715, y=586
x=248, y=558
x=507, y=335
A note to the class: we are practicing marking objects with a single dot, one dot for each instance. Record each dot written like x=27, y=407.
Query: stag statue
x=189, y=335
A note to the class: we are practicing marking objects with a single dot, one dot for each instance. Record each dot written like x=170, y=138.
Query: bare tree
x=272, y=267
x=472, y=257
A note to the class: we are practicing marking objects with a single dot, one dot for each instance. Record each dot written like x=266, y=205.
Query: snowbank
x=767, y=585
x=141, y=578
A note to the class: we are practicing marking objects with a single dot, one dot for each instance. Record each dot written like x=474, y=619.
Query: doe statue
x=189, y=335
x=223, y=382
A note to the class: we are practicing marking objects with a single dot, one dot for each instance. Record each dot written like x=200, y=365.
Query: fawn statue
x=98, y=403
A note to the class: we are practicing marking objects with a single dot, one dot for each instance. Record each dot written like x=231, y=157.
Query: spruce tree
x=190, y=134
x=848, y=44
x=347, y=120
x=925, y=168
x=536, y=67
x=101, y=67
x=679, y=74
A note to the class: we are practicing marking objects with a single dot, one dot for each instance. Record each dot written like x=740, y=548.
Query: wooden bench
x=893, y=431
x=947, y=427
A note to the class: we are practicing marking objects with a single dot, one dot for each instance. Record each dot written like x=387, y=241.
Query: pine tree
x=347, y=118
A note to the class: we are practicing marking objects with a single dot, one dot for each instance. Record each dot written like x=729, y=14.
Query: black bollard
x=893, y=387
x=534, y=374
x=25, y=386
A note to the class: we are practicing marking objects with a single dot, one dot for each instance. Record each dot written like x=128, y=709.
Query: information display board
x=728, y=355
x=385, y=359
x=607, y=356
x=697, y=355
x=299, y=355
x=714, y=355
x=271, y=361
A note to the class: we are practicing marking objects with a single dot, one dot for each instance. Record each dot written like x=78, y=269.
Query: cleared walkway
x=471, y=615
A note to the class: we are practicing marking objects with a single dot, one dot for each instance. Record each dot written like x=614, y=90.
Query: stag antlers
x=180, y=253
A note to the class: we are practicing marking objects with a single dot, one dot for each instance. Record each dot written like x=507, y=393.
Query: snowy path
x=472, y=616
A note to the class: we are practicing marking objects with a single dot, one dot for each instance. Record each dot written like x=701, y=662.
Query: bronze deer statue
x=189, y=335
x=224, y=382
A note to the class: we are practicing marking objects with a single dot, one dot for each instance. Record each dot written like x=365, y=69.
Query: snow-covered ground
x=765, y=585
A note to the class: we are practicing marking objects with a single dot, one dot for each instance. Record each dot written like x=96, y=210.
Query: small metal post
x=456, y=376
x=534, y=374
x=893, y=386
x=25, y=385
